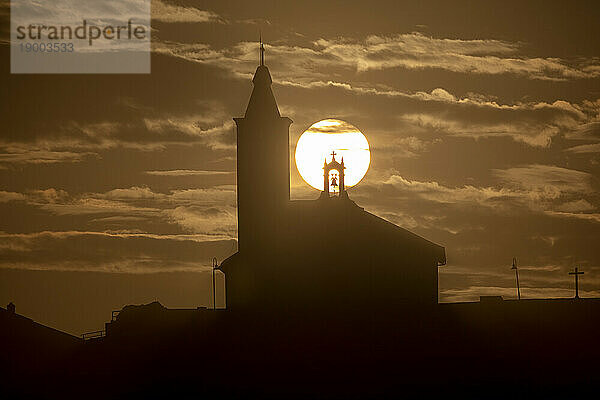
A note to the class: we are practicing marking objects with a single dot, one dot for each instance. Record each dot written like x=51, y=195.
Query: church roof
x=312, y=217
x=344, y=210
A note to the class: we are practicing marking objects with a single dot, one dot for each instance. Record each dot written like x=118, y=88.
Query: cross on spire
x=333, y=153
x=576, y=273
x=262, y=50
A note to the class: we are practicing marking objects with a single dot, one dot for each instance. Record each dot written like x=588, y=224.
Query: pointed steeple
x=262, y=102
x=263, y=166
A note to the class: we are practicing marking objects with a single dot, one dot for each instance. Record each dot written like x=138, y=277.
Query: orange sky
x=483, y=121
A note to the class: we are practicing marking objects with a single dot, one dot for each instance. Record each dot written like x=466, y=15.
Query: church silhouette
x=313, y=254
x=323, y=299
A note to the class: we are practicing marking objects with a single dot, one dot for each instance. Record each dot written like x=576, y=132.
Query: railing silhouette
x=93, y=335
x=101, y=333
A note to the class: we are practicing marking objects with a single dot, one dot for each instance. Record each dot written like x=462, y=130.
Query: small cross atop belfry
x=576, y=273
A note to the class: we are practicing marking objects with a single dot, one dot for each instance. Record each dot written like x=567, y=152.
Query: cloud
x=589, y=132
x=585, y=148
x=170, y=13
x=11, y=196
x=35, y=196
x=217, y=195
x=89, y=205
x=50, y=195
x=594, y=217
x=210, y=211
x=132, y=193
x=193, y=226
x=217, y=136
x=416, y=51
x=474, y=116
x=546, y=181
x=435, y=192
x=207, y=220
x=535, y=124
x=328, y=57
x=30, y=155
x=188, y=172
x=477, y=116
x=409, y=146
x=86, y=140
x=532, y=191
x=580, y=205
x=112, y=252
x=537, y=136
x=335, y=65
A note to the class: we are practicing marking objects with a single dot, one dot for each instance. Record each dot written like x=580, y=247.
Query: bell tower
x=333, y=176
x=263, y=165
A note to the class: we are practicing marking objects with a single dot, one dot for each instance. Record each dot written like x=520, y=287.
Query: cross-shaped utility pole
x=576, y=273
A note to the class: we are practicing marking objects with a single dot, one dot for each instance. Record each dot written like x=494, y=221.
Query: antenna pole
x=214, y=266
x=514, y=266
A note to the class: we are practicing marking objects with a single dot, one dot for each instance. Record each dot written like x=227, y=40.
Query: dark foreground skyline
x=482, y=119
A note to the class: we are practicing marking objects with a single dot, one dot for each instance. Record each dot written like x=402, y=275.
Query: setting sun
x=332, y=135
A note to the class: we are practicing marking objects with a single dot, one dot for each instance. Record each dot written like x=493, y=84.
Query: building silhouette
x=326, y=253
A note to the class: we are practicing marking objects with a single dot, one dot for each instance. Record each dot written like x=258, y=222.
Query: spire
x=262, y=102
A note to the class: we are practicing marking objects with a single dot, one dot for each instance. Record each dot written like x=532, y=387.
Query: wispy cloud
x=15, y=154
x=165, y=12
x=327, y=57
x=188, y=172
x=585, y=148
x=416, y=51
x=546, y=181
x=76, y=141
x=339, y=65
x=534, y=190
x=139, y=230
x=210, y=211
x=11, y=196
x=113, y=252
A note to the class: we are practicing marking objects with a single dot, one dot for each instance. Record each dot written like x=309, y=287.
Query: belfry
x=333, y=178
